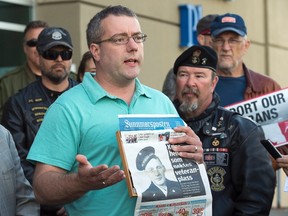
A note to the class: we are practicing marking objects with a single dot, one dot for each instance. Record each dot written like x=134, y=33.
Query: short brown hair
x=35, y=24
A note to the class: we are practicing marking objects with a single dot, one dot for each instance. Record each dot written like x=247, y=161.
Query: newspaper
x=149, y=163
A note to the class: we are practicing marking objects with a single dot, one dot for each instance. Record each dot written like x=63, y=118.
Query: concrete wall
x=265, y=20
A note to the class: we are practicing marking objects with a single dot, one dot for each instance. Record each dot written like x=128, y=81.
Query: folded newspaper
x=164, y=183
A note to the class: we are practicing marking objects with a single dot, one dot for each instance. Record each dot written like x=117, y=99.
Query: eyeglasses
x=53, y=54
x=121, y=39
x=31, y=43
x=232, y=42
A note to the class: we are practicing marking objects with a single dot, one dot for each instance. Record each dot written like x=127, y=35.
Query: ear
x=25, y=48
x=214, y=82
x=246, y=45
x=95, y=51
x=201, y=39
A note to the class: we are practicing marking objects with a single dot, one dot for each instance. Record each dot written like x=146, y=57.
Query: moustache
x=190, y=91
x=58, y=65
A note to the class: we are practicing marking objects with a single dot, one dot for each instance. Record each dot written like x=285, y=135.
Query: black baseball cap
x=53, y=36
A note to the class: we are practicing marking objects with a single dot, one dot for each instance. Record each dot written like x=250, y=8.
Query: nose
x=132, y=45
x=59, y=58
x=191, y=81
x=226, y=45
x=157, y=173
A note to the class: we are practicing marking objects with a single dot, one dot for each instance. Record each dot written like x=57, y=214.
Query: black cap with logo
x=197, y=56
x=53, y=36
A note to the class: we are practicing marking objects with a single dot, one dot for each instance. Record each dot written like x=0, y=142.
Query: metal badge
x=195, y=57
x=215, y=142
x=204, y=61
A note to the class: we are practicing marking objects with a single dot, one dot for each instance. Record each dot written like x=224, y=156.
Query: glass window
x=11, y=42
x=14, y=16
x=15, y=13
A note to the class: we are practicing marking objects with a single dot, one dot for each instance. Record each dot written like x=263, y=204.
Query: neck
x=231, y=72
x=35, y=69
x=125, y=91
x=60, y=87
x=164, y=187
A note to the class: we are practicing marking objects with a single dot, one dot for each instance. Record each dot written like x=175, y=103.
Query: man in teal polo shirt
x=76, y=151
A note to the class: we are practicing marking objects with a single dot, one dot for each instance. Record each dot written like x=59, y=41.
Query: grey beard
x=188, y=107
x=225, y=69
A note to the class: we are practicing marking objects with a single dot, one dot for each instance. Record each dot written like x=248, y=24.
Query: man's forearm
x=55, y=188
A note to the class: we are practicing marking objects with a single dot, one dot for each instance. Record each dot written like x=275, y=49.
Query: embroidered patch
x=216, y=158
x=216, y=178
x=57, y=35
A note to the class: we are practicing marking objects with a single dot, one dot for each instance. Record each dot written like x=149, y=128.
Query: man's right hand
x=97, y=177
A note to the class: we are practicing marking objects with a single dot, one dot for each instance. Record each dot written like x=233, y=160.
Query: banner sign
x=270, y=111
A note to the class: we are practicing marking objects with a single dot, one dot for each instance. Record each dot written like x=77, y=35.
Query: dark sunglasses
x=53, y=54
x=31, y=43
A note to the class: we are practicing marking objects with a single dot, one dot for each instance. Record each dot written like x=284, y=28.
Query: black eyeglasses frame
x=122, y=38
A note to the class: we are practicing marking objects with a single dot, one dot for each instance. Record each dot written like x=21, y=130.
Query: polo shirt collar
x=95, y=91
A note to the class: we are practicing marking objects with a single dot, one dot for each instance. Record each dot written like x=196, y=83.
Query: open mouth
x=131, y=60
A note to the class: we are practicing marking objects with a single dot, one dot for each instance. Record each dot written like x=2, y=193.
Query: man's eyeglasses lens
x=31, y=43
x=121, y=39
x=53, y=54
x=231, y=42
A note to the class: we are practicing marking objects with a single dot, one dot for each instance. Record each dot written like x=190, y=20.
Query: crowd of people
x=24, y=112
x=59, y=130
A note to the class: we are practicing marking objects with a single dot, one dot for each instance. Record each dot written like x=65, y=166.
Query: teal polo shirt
x=84, y=120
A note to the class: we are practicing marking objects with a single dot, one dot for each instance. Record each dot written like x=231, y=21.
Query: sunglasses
x=31, y=43
x=53, y=54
